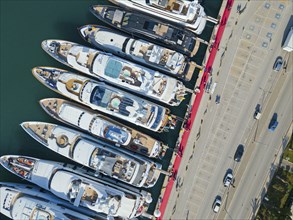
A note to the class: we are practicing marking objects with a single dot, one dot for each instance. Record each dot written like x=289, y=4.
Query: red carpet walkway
x=196, y=103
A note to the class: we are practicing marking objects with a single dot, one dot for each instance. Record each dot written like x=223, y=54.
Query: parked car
x=278, y=64
x=239, y=152
x=257, y=112
x=217, y=204
x=218, y=98
x=273, y=123
x=228, y=179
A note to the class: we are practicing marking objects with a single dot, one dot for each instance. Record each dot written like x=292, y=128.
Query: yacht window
x=158, y=117
x=149, y=25
x=73, y=191
x=126, y=19
x=123, y=106
x=162, y=3
x=113, y=68
x=115, y=134
x=110, y=15
x=101, y=96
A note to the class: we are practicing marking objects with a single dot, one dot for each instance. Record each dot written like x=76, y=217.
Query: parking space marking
x=250, y=69
x=201, y=183
x=206, y=165
x=243, y=85
x=259, y=53
x=243, y=54
x=245, y=45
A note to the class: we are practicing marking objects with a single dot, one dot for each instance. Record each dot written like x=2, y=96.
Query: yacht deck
x=43, y=131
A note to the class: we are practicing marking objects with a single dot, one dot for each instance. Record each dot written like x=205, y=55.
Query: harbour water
x=24, y=25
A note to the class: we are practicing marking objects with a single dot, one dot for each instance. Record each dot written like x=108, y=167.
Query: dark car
x=273, y=123
x=218, y=98
x=217, y=204
x=278, y=64
x=239, y=152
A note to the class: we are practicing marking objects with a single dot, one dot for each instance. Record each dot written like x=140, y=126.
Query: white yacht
x=103, y=127
x=21, y=201
x=117, y=71
x=97, y=155
x=189, y=14
x=139, y=50
x=77, y=188
x=99, y=96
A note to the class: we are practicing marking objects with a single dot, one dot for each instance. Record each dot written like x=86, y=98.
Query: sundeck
x=144, y=26
x=103, y=127
x=117, y=71
x=97, y=155
x=188, y=14
x=139, y=50
x=77, y=188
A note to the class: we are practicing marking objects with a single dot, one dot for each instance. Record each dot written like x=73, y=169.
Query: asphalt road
x=245, y=79
x=253, y=176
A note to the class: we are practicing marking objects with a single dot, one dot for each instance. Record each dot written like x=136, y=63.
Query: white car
x=217, y=204
x=228, y=179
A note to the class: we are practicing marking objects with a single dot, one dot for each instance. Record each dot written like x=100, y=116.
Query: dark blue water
x=24, y=25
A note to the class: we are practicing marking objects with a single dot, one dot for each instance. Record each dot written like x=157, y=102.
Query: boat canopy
x=83, y=151
x=60, y=183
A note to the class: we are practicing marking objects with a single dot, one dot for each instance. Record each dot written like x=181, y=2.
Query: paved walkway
x=196, y=104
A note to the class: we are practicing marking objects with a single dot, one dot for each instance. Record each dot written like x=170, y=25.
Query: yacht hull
x=47, y=174
x=137, y=50
x=147, y=27
x=103, y=127
x=117, y=71
x=97, y=155
x=101, y=97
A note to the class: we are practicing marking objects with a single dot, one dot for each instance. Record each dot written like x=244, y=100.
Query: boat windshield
x=115, y=134
x=126, y=18
x=101, y=96
x=158, y=118
x=74, y=190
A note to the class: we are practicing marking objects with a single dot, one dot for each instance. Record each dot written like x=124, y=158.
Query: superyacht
x=188, y=14
x=138, y=50
x=144, y=26
x=77, y=188
x=117, y=71
x=103, y=127
x=97, y=155
x=21, y=201
x=104, y=98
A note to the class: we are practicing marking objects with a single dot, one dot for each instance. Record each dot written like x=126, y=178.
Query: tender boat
x=99, y=96
x=97, y=155
x=188, y=14
x=77, y=188
x=117, y=71
x=144, y=26
x=138, y=50
x=103, y=127
x=21, y=201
